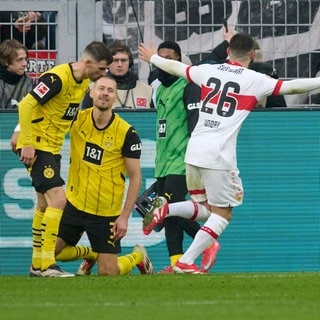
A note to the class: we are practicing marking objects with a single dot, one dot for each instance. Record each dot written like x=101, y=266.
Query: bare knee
x=59, y=245
x=56, y=198
x=41, y=202
x=59, y=202
x=224, y=212
x=105, y=271
x=108, y=265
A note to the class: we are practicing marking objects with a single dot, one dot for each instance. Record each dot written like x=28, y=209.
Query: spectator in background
x=26, y=27
x=258, y=54
x=263, y=67
x=132, y=93
x=50, y=39
x=14, y=82
x=270, y=101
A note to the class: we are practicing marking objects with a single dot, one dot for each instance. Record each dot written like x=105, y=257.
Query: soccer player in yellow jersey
x=45, y=116
x=104, y=150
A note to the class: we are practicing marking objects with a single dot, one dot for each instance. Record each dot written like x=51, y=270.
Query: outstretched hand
x=145, y=53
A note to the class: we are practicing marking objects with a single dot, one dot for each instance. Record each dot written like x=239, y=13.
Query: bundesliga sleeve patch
x=48, y=86
x=41, y=90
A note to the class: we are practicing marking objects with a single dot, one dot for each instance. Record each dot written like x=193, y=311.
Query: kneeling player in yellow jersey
x=104, y=149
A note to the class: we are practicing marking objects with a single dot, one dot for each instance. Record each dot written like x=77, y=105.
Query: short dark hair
x=99, y=51
x=171, y=45
x=240, y=44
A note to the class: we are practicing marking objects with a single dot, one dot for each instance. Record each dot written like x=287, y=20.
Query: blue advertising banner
x=276, y=229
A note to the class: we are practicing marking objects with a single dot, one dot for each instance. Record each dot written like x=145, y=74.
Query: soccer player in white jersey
x=229, y=91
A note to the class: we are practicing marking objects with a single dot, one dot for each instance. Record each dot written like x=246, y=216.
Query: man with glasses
x=132, y=93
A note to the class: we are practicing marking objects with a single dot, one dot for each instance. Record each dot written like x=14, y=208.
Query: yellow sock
x=50, y=227
x=70, y=253
x=128, y=262
x=36, y=239
x=175, y=258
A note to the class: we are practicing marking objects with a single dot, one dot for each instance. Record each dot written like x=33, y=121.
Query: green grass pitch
x=256, y=296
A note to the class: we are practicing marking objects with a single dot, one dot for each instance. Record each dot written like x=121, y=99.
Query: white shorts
x=220, y=188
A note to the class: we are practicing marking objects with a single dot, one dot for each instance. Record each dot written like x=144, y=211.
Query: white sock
x=210, y=231
x=189, y=209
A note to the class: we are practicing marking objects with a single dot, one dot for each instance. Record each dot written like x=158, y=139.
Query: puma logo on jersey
x=168, y=195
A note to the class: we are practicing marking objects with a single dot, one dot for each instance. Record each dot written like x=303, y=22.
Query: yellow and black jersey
x=55, y=101
x=97, y=171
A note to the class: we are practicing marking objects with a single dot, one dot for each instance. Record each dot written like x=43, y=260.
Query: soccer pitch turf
x=256, y=296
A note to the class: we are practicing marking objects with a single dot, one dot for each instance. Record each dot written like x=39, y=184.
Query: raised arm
x=219, y=53
x=299, y=86
x=173, y=67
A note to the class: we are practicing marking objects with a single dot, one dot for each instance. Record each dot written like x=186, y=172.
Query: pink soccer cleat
x=166, y=270
x=209, y=256
x=180, y=267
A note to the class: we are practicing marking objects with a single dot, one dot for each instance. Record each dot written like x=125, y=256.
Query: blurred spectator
x=311, y=99
x=50, y=39
x=132, y=93
x=267, y=68
x=14, y=82
x=258, y=54
x=26, y=27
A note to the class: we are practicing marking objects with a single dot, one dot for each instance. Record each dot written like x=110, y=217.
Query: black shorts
x=75, y=222
x=45, y=171
x=173, y=187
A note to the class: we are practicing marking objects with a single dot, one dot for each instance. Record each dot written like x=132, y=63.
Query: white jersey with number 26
x=228, y=93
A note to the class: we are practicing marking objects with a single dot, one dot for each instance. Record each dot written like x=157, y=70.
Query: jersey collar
x=234, y=63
